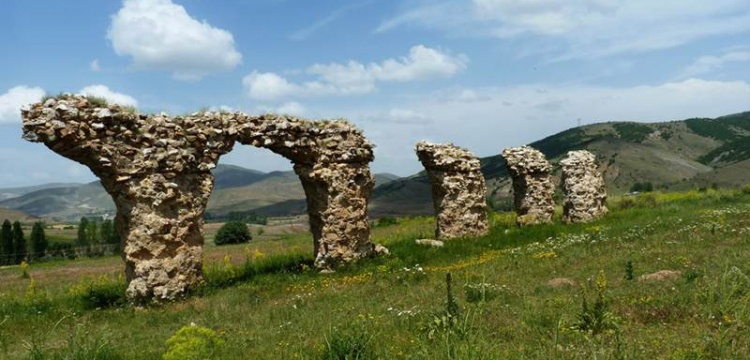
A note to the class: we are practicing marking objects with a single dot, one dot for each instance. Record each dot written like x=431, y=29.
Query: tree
x=233, y=232
x=82, y=239
x=6, y=239
x=92, y=232
x=38, y=241
x=19, y=243
x=109, y=233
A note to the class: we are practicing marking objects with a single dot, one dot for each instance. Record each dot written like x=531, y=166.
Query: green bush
x=233, y=232
x=193, y=342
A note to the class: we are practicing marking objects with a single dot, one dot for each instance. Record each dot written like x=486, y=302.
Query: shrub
x=99, y=293
x=193, y=342
x=233, y=232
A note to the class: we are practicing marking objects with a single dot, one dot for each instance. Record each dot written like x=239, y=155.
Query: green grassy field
x=547, y=292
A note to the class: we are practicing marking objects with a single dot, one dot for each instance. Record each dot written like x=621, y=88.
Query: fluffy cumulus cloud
x=159, y=34
x=109, y=95
x=12, y=101
x=583, y=28
x=357, y=78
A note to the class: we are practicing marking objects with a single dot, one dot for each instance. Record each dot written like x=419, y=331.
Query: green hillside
x=15, y=215
x=670, y=155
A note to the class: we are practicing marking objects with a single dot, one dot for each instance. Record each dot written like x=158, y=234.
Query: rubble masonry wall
x=583, y=187
x=533, y=190
x=458, y=190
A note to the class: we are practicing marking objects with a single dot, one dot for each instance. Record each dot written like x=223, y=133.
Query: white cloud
x=356, y=78
x=583, y=28
x=12, y=101
x=406, y=116
x=291, y=108
x=94, y=66
x=111, y=96
x=708, y=64
x=159, y=34
x=422, y=63
x=269, y=86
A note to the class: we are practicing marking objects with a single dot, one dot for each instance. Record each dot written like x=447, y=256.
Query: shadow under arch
x=157, y=168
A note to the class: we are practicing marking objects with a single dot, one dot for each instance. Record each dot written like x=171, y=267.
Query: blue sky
x=484, y=74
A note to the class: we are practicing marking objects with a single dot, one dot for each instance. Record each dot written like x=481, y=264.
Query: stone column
x=583, y=186
x=533, y=189
x=458, y=190
x=161, y=224
x=157, y=170
x=337, y=199
x=332, y=160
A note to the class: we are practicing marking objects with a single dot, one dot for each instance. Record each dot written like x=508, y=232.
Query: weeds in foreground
x=348, y=345
x=596, y=318
x=80, y=344
x=629, y=275
x=24, y=268
x=444, y=321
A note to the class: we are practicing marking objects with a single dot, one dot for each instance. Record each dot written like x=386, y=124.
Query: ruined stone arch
x=157, y=170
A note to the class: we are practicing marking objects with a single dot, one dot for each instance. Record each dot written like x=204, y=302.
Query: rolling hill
x=15, y=215
x=669, y=155
x=236, y=189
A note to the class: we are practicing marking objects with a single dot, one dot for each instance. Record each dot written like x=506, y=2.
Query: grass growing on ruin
x=547, y=292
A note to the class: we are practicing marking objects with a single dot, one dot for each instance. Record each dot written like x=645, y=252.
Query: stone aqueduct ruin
x=583, y=186
x=458, y=190
x=157, y=170
x=533, y=189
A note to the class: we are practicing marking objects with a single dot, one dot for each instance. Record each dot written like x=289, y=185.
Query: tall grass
x=276, y=306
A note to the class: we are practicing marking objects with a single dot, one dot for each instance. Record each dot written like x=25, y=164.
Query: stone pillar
x=583, y=186
x=458, y=190
x=533, y=189
x=337, y=199
x=332, y=160
x=157, y=170
x=161, y=224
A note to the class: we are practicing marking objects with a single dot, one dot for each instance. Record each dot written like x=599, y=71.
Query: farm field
x=663, y=276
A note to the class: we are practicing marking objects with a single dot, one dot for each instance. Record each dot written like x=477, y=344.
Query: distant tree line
x=249, y=217
x=14, y=248
x=96, y=237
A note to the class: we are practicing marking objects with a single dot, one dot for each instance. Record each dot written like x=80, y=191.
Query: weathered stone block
x=533, y=189
x=458, y=190
x=583, y=186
